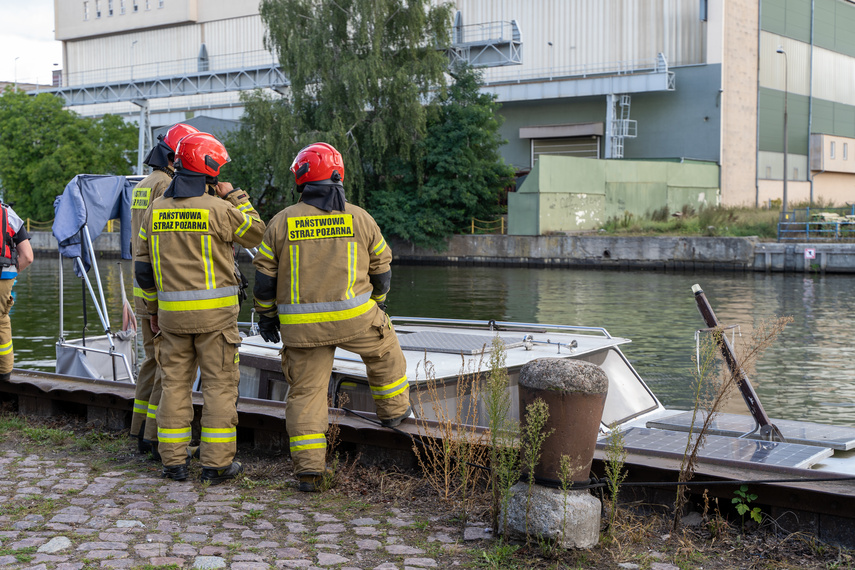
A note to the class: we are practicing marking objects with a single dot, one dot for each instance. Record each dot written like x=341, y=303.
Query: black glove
x=268, y=328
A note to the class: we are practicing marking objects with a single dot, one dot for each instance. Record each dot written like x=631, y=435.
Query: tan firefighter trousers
x=148, y=375
x=307, y=371
x=217, y=355
x=7, y=356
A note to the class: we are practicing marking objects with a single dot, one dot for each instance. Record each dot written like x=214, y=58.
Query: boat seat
x=735, y=425
x=721, y=450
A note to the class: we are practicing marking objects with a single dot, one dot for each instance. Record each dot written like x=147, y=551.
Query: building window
x=97, y=8
x=768, y=173
x=121, y=6
x=831, y=152
x=85, y=10
x=148, y=4
x=109, y=7
x=136, y=5
x=160, y=3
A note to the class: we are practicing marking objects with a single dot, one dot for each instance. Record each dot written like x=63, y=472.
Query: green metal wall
x=834, y=22
x=671, y=124
x=569, y=194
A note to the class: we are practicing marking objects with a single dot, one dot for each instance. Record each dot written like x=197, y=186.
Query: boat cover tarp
x=74, y=361
x=92, y=200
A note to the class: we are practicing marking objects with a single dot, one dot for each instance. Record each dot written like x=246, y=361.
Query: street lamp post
x=16, y=72
x=133, y=43
x=786, y=132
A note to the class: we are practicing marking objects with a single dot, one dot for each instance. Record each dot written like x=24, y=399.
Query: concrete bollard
x=575, y=392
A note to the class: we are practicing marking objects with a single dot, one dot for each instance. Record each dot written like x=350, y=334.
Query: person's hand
x=268, y=328
x=154, y=327
x=223, y=188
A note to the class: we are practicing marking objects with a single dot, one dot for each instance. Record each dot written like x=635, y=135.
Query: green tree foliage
x=360, y=72
x=43, y=146
x=460, y=174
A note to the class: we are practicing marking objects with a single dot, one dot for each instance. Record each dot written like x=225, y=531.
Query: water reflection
x=803, y=376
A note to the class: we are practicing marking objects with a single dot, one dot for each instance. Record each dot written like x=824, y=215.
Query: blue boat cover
x=92, y=200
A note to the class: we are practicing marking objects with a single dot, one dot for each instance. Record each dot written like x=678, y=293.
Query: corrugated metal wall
x=586, y=34
x=231, y=43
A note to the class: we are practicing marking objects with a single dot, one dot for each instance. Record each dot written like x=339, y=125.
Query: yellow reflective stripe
x=140, y=406
x=378, y=249
x=264, y=305
x=177, y=435
x=245, y=206
x=265, y=250
x=379, y=298
x=142, y=235
x=152, y=411
x=6, y=348
x=389, y=390
x=138, y=292
x=351, y=269
x=208, y=262
x=327, y=316
x=155, y=258
x=244, y=227
x=198, y=305
x=310, y=441
x=294, y=250
x=219, y=435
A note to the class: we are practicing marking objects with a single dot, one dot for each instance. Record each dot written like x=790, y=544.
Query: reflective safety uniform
x=16, y=233
x=185, y=268
x=317, y=271
x=148, y=190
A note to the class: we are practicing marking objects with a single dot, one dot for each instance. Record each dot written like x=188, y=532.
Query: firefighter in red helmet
x=322, y=275
x=147, y=391
x=185, y=267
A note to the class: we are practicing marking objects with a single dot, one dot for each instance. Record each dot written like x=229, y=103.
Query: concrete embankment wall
x=595, y=252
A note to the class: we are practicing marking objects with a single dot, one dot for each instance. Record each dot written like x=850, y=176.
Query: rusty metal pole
x=575, y=392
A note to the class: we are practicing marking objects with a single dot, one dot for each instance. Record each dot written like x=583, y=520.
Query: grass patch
x=726, y=221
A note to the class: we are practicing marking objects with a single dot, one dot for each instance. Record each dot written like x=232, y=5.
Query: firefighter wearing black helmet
x=185, y=267
x=322, y=274
x=150, y=188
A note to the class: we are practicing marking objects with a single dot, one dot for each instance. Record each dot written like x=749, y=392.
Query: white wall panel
x=833, y=73
x=593, y=35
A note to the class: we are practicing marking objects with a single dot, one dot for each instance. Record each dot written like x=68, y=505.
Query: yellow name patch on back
x=141, y=198
x=182, y=220
x=320, y=227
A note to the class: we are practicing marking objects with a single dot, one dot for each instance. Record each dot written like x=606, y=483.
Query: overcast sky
x=26, y=33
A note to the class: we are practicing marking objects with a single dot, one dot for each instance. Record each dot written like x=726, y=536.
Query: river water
x=806, y=374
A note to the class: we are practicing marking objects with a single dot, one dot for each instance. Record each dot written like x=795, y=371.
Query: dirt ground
x=640, y=538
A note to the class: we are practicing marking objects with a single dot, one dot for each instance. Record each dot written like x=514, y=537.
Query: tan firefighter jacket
x=147, y=191
x=186, y=260
x=321, y=264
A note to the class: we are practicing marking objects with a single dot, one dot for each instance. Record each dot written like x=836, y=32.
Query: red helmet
x=316, y=163
x=201, y=152
x=176, y=133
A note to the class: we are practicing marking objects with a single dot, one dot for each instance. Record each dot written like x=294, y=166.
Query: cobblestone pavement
x=63, y=513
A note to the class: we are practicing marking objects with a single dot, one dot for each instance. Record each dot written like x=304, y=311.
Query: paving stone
x=166, y=561
x=368, y=544
x=151, y=550
x=249, y=566
x=293, y=563
x=420, y=562
x=208, y=562
x=101, y=554
x=403, y=549
x=324, y=518
x=56, y=544
x=330, y=528
x=28, y=543
x=326, y=559
x=182, y=549
x=129, y=524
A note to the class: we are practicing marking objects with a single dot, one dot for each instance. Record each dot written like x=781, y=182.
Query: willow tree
x=361, y=72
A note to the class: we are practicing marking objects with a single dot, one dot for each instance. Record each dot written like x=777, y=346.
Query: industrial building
x=705, y=82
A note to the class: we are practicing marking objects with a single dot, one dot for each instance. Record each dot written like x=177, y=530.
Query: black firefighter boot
x=215, y=476
x=5, y=376
x=178, y=472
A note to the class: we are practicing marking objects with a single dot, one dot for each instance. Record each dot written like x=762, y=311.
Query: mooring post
x=575, y=394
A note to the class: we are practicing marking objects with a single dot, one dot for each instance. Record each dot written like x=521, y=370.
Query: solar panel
x=734, y=425
x=721, y=449
x=453, y=343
